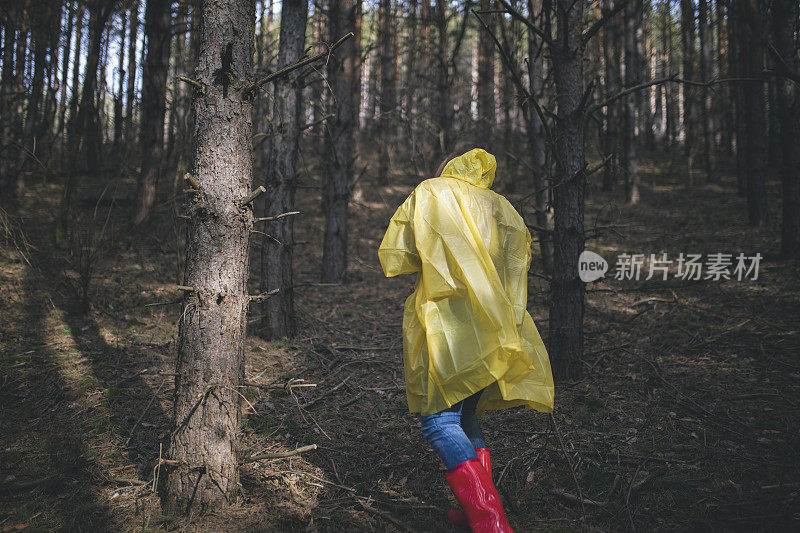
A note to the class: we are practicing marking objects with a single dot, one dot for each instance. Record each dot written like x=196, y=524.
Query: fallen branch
x=575, y=499
x=279, y=455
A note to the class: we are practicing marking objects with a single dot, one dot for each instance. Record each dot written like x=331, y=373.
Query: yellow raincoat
x=466, y=327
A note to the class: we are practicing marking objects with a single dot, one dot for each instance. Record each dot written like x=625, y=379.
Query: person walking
x=469, y=343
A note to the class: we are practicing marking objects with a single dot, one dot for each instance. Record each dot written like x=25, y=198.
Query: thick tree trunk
x=783, y=13
x=154, y=86
x=341, y=145
x=566, y=289
x=752, y=60
x=277, y=246
x=211, y=334
x=628, y=160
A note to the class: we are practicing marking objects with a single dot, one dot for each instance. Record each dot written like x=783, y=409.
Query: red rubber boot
x=457, y=517
x=478, y=497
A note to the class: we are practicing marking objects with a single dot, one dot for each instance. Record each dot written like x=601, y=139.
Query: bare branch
x=607, y=14
x=303, y=61
x=522, y=18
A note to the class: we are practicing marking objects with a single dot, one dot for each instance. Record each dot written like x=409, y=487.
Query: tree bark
x=485, y=89
x=783, y=13
x=210, y=368
x=628, y=160
x=6, y=108
x=154, y=86
x=566, y=289
x=388, y=87
x=709, y=137
x=84, y=120
x=688, y=45
x=444, y=112
x=538, y=146
x=340, y=145
x=65, y=59
x=278, y=243
x=611, y=53
x=133, y=38
x=118, y=116
x=752, y=60
x=737, y=93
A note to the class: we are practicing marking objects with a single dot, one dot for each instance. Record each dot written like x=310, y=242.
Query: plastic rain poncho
x=466, y=327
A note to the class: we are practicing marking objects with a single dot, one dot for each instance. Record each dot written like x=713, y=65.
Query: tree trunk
x=154, y=85
x=688, y=45
x=340, y=145
x=118, y=117
x=6, y=110
x=91, y=118
x=737, y=93
x=752, y=60
x=388, y=88
x=628, y=160
x=670, y=104
x=133, y=39
x=783, y=13
x=410, y=85
x=485, y=89
x=611, y=54
x=566, y=289
x=709, y=137
x=48, y=127
x=277, y=245
x=65, y=58
x=211, y=334
x=84, y=121
x=538, y=146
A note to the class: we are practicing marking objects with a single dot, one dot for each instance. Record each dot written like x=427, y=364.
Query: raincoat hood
x=476, y=167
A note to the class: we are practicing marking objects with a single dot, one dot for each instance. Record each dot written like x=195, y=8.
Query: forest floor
x=687, y=417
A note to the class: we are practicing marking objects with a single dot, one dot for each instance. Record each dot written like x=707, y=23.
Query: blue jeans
x=454, y=433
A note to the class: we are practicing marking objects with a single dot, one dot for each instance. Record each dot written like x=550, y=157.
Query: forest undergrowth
x=686, y=419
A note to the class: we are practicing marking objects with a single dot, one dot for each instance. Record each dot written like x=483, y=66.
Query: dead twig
x=279, y=455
